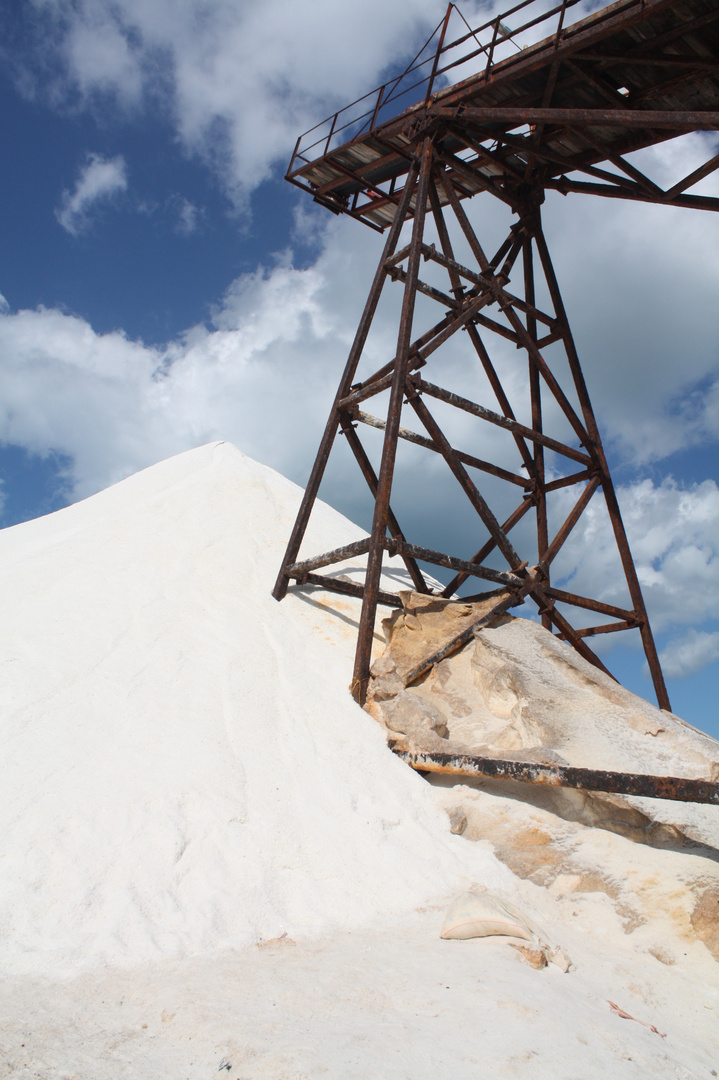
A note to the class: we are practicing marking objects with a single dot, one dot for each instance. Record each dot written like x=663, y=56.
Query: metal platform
x=633, y=74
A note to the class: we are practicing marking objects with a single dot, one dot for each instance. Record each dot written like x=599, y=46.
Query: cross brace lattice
x=482, y=301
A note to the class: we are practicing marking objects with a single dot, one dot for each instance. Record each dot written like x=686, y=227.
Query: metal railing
x=430, y=68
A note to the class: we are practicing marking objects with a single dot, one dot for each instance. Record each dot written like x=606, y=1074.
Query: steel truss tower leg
x=318, y=469
x=360, y=675
x=479, y=301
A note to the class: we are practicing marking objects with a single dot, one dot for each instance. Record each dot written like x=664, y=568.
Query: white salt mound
x=183, y=767
x=185, y=774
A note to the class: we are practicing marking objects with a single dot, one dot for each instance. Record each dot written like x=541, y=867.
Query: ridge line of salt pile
x=186, y=770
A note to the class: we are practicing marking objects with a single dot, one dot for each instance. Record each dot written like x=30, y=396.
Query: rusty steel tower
x=526, y=117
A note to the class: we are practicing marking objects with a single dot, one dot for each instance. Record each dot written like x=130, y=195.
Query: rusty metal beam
x=690, y=202
x=571, y=520
x=419, y=351
x=606, y=628
x=677, y=788
x=497, y=328
x=502, y=399
x=367, y=390
x=513, y=599
x=567, y=481
x=547, y=374
x=586, y=602
x=694, y=177
x=567, y=631
x=501, y=421
x=610, y=497
x=696, y=63
x=543, y=153
x=465, y=481
x=332, y=426
x=340, y=554
x=393, y=525
x=398, y=274
x=414, y=348
x=489, y=546
x=347, y=588
x=466, y=459
x=677, y=120
x=535, y=395
x=452, y=563
x=456, y=270
x=363, y=654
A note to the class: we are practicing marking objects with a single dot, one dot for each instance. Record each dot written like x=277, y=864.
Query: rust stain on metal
x=561, y=113
x=677, y=788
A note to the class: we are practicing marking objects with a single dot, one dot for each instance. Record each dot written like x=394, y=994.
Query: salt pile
x=211, y=862
x=516, y=690
x=183, y=768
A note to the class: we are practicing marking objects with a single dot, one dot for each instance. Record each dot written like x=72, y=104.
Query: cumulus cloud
x=689, y=654
x=263, y=375
x=239, y=79
x=188, y=216
x=242, y=78
x=100, y=180
x=639, y=284
x=98, y=50
x=673, y=532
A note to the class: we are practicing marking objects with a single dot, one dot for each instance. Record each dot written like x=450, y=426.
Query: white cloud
x=240, y=78
x=673, y=533
x=243, y=77
x=640, y=285
x=189, y=216
x=99, y=52
x=263, y=376
x=99, y=181
x=689, y=654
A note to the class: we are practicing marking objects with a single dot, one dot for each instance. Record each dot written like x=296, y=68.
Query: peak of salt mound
x=184, y=769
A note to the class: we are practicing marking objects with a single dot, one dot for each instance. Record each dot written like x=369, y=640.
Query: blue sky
x=163, y=286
